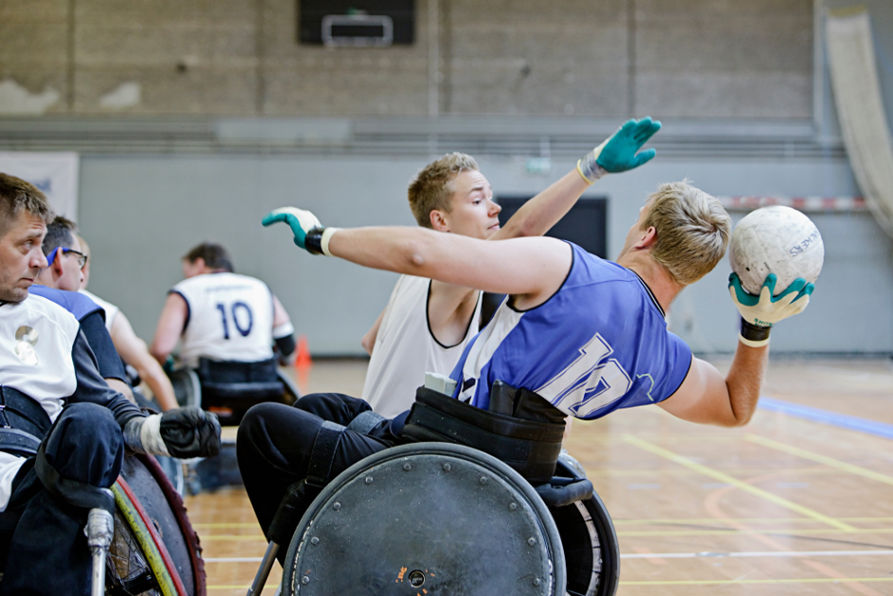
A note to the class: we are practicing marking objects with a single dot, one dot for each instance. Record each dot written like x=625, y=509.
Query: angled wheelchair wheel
x=154, y=551
x=591, y=549
x=433, y=518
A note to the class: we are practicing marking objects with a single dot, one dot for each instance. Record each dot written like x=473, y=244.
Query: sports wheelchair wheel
x=591, y=549
x=155, y=550
x=435, y=518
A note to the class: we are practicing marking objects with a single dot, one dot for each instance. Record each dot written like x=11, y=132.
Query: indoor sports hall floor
x=798, y=502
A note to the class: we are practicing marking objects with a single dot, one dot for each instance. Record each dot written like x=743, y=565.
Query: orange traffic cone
x=303, y=364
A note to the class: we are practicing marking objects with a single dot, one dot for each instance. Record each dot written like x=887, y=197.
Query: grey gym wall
x=193, y=119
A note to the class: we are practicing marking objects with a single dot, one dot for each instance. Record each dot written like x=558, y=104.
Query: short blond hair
x=692, y=230
x=431, y=188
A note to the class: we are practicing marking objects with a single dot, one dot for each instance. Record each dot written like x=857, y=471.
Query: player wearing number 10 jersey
x=220, y=315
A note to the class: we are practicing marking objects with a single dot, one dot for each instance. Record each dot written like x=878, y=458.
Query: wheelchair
x=154, y=550
x=149, y=547
x=445, y=518
x=228, y=389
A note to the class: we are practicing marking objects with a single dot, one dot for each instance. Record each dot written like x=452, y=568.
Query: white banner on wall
x=56, y=174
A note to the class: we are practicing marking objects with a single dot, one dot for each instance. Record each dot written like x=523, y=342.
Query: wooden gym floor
x=800, y=501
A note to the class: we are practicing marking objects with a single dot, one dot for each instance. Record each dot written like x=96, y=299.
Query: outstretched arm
x=530, y=268
x=618, y=153
x=705, y=396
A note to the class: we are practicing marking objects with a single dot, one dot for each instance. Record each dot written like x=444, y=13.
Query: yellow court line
x=716, y=474
x=251, y=525
x=234, y=537
x=708, y=582
x=821, y=459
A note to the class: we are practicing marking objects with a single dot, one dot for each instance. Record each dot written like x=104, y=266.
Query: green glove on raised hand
x=620, y=151
x=759, y=313
x=309, y=234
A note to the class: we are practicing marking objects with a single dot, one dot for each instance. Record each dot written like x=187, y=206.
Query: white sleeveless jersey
x=36, y=339
x=405, y=349
x=230, y=317
x=111, y=311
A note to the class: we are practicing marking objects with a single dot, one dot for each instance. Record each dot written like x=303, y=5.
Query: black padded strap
x=75, y=493
x=530, y=447
x=322, y=455
x=564, y=491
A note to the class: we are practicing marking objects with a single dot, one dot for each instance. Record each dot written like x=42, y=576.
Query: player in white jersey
x=406, y=346
x=427, y=323
x=63, y=430
x=226, y=325
x=220, y=315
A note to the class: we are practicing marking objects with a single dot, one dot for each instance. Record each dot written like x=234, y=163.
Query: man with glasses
x=60, y=281
x=63, y=431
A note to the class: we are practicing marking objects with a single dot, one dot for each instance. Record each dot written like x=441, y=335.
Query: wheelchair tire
x=154, y=550
x=455, y=515
x=591, y=549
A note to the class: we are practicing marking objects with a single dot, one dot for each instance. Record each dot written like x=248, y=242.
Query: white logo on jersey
x=590, y=382
x=26, y=339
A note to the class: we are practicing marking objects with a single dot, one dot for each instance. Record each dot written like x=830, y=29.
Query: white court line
x=793, y=553
x=704, y=555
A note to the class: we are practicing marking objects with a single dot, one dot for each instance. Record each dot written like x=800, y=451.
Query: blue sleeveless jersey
x=598, y=344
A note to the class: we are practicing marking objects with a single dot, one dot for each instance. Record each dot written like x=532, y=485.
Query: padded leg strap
x=70, y=491
x=365, y=421
x=322, y=456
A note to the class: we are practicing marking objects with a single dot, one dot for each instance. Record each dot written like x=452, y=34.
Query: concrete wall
x=192, y=119
x=680, y=58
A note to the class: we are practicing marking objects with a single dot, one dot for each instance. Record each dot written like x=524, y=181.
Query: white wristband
x=751, y=343
x=324, y=240
x=150, y=436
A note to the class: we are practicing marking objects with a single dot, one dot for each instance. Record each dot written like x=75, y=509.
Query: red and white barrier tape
x=747, y=203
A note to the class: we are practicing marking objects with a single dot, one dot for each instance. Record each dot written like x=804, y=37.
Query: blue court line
x=864, y=425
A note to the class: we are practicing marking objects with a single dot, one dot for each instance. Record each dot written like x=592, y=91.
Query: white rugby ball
x=779, y=240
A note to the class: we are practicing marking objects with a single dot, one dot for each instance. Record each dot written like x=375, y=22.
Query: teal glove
x=618, y=153
x=759, y=313
x=308, y=232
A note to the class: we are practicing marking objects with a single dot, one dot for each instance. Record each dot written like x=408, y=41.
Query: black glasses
x=82, y=258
